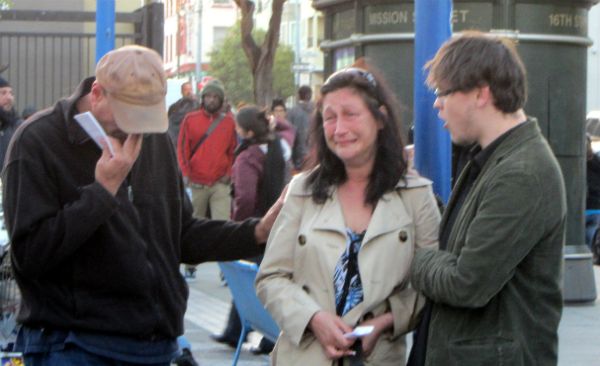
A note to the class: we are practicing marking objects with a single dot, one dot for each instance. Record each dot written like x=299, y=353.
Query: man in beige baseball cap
x=135, y=86
x=97, y=238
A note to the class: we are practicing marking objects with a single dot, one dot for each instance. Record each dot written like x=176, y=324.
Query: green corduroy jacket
x=496, y=290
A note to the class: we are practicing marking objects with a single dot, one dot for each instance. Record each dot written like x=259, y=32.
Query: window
x=343, y=57
x=310, y=32
x=293, y=32
x=283, y=33
x=320, y=30
x=168, y=50
x=219, y=34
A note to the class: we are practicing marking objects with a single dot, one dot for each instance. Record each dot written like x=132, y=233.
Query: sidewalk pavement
x=209, y=302
x=208, y=308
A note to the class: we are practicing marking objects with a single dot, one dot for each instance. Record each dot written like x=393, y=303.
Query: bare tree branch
x=261, y=58
x=250, y=47
x=271, y=41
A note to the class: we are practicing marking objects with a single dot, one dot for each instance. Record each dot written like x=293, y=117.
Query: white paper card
x=89, y=123
x=360, y=332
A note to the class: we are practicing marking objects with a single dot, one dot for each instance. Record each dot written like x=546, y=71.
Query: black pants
x=234, y=329
x=234, y=324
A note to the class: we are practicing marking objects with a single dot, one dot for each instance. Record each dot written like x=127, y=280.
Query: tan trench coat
x=295, y=279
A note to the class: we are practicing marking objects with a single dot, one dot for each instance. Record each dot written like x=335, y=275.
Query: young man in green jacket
x=495, y=287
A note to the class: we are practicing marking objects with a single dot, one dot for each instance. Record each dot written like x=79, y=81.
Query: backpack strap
x=210, y=129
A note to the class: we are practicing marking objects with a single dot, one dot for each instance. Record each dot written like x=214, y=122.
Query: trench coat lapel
x=330, y=217
x=389, y=215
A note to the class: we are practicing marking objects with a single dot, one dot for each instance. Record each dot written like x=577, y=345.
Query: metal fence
x=45, y=66
x=10, y=299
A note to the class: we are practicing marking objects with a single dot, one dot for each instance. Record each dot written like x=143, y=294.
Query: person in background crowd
x=279, y=110
x=282, y=126
x=179, y=109
x=176, y=113
x=8, y=124
x=9, y=119
x=97, y=236
x=261, y=168
x=299, y=116
x=495, y=287
x=592, y=220
x=341, y=249
x=205, y=149
x=259, y=171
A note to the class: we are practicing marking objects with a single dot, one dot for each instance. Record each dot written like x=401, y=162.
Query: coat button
x=301, y=239
x=402, y=236
x=306, y=289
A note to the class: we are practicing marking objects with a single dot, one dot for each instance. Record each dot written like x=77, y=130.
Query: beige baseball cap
x=136, y=85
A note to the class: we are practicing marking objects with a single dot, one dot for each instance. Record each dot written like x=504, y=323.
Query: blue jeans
x=72, y=355
x=47, y=347
x=592, y=223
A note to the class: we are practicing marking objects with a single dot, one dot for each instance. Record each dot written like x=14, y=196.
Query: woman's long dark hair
x=251, y=118
x=390, y=164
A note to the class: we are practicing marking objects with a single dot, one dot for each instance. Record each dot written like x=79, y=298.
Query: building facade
x=593, y=77
x=50, y=46
x=192, y=29
x=302, y=28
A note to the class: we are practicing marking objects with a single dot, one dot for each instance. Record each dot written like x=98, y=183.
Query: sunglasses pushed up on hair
x=364, y=74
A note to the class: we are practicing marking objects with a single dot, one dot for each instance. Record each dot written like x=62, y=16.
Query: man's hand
x=329, y=330
x=263, y=228
x=111, y=171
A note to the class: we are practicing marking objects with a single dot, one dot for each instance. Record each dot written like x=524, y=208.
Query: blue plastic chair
x=240, y=277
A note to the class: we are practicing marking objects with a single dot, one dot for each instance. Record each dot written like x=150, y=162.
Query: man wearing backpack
x=207, y=140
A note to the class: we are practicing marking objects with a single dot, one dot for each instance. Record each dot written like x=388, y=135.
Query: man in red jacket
x=207, y=140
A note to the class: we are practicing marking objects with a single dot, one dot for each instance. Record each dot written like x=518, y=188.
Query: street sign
x=302, y=67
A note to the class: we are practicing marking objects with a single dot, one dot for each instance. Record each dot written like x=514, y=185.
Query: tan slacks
x=217, y=198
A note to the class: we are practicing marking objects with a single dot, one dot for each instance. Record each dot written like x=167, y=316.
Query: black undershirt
x=478, y=158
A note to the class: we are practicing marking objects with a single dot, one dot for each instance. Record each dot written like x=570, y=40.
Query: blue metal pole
x=105, y=27
x=432, y=143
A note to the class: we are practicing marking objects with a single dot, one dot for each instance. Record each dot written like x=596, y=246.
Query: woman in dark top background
x=260, y=170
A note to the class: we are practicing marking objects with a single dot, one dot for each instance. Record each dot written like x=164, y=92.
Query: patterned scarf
x=346, y=278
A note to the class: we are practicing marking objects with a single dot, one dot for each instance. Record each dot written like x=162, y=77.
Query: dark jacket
x=248, y=174
x=177, y=112
x=593, y=183
x=213, y=159
x=9, y=121
x=300, y=116
x=88, y=261
x=497, y=289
